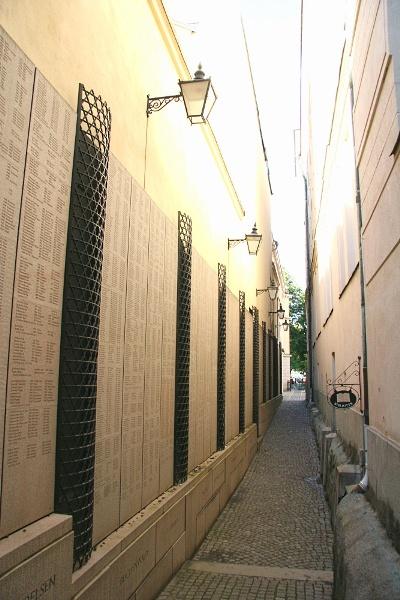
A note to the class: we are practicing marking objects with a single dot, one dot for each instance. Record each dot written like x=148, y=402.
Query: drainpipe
x=363, y=484
x=308, y=299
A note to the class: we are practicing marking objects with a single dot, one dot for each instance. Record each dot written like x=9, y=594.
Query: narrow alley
x=274, y=539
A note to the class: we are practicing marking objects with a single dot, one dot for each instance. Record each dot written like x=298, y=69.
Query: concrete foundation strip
x=261, y=571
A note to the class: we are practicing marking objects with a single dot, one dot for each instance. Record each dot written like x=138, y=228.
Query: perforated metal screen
x=264, y=362
x=221, y=367
x=242, y=360
x=256, y=364
x=181, y=440
x=76, y=417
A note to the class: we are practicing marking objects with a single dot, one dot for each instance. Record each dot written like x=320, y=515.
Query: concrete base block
x=36, y=561
x=327, y=441
x=266, y=412
x=346, y=475
x=366, y=565
x=384, y=482
x=321, y=433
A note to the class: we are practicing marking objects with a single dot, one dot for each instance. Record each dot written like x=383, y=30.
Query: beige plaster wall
x=371, y=58
x=377, y=131
x=335, y=292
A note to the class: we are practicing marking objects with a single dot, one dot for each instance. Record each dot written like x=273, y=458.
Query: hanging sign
x=343, y=398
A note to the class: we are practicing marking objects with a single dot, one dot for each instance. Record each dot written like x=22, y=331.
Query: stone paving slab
x=189, y=584
x=277, y=518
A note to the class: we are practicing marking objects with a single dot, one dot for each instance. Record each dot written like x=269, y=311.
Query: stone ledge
x=46, y=573
x=24, y=543
x=202, y=497
x=366, y=564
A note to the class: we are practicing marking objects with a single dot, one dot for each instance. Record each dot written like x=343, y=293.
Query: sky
x=273, y=37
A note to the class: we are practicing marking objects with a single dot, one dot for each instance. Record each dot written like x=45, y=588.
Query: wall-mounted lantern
x=253, y=240
x=280, y=312
x=198, y=96
x=272, y=291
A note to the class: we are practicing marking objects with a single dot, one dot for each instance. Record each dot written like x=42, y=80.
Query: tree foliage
x=298, y=325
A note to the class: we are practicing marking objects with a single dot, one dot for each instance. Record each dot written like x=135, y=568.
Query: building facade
x=350, y=153
x=138, y=370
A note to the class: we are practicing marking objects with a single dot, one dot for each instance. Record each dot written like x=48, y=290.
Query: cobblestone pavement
x=274, y=538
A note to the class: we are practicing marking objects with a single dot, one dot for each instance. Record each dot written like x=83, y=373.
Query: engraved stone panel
x=110, y=357
x=16, y=89
x=29, y=445
x=168, y=357
x=134, y=354
x=195, y=422
x=232, y=367
x=45, y=574
x=203, y=362
x=152, y=384
x=210, y=350
x=249, y=370
x=261, y=367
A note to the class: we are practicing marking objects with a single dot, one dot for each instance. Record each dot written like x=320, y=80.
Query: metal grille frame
x=76, y=413
x=276, y=367
x=242, y=361
x=256, y=364
x=264, y=362
x=221, y=364
x=182, y=368
x=270, y=366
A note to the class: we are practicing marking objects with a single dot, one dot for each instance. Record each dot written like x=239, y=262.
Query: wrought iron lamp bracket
x=156, y=104
x=348, y=379
x=233, y=243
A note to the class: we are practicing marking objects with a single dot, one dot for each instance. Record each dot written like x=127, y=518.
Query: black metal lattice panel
x=221, y=366
x=276, y=367
x=270, y=365
x=242, y=361
x=256, y=364
x=76, y=413
x=264, y=362
x=184, y=284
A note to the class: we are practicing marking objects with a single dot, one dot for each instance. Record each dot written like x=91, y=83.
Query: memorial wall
x=261, y=398
x=203, y=362
x=35, y=224
x=111, y=353
x=134, y=450
x=136, y=371
x=16, y=89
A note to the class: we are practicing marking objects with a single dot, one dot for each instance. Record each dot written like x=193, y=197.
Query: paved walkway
x=274, y=538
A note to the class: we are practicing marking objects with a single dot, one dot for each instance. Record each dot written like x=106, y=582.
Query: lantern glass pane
x=194, y=94
x=253, y=243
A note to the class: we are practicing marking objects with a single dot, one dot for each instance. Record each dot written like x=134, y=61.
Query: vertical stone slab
x=134, y=354
x=30, y=429
x=211, y=344
x=111, y=353
x=249, y=370
x=152, y=383
x=168, y=357
x=232, y=367
x=194, y=416
x=261, y=367
x=16, y=89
